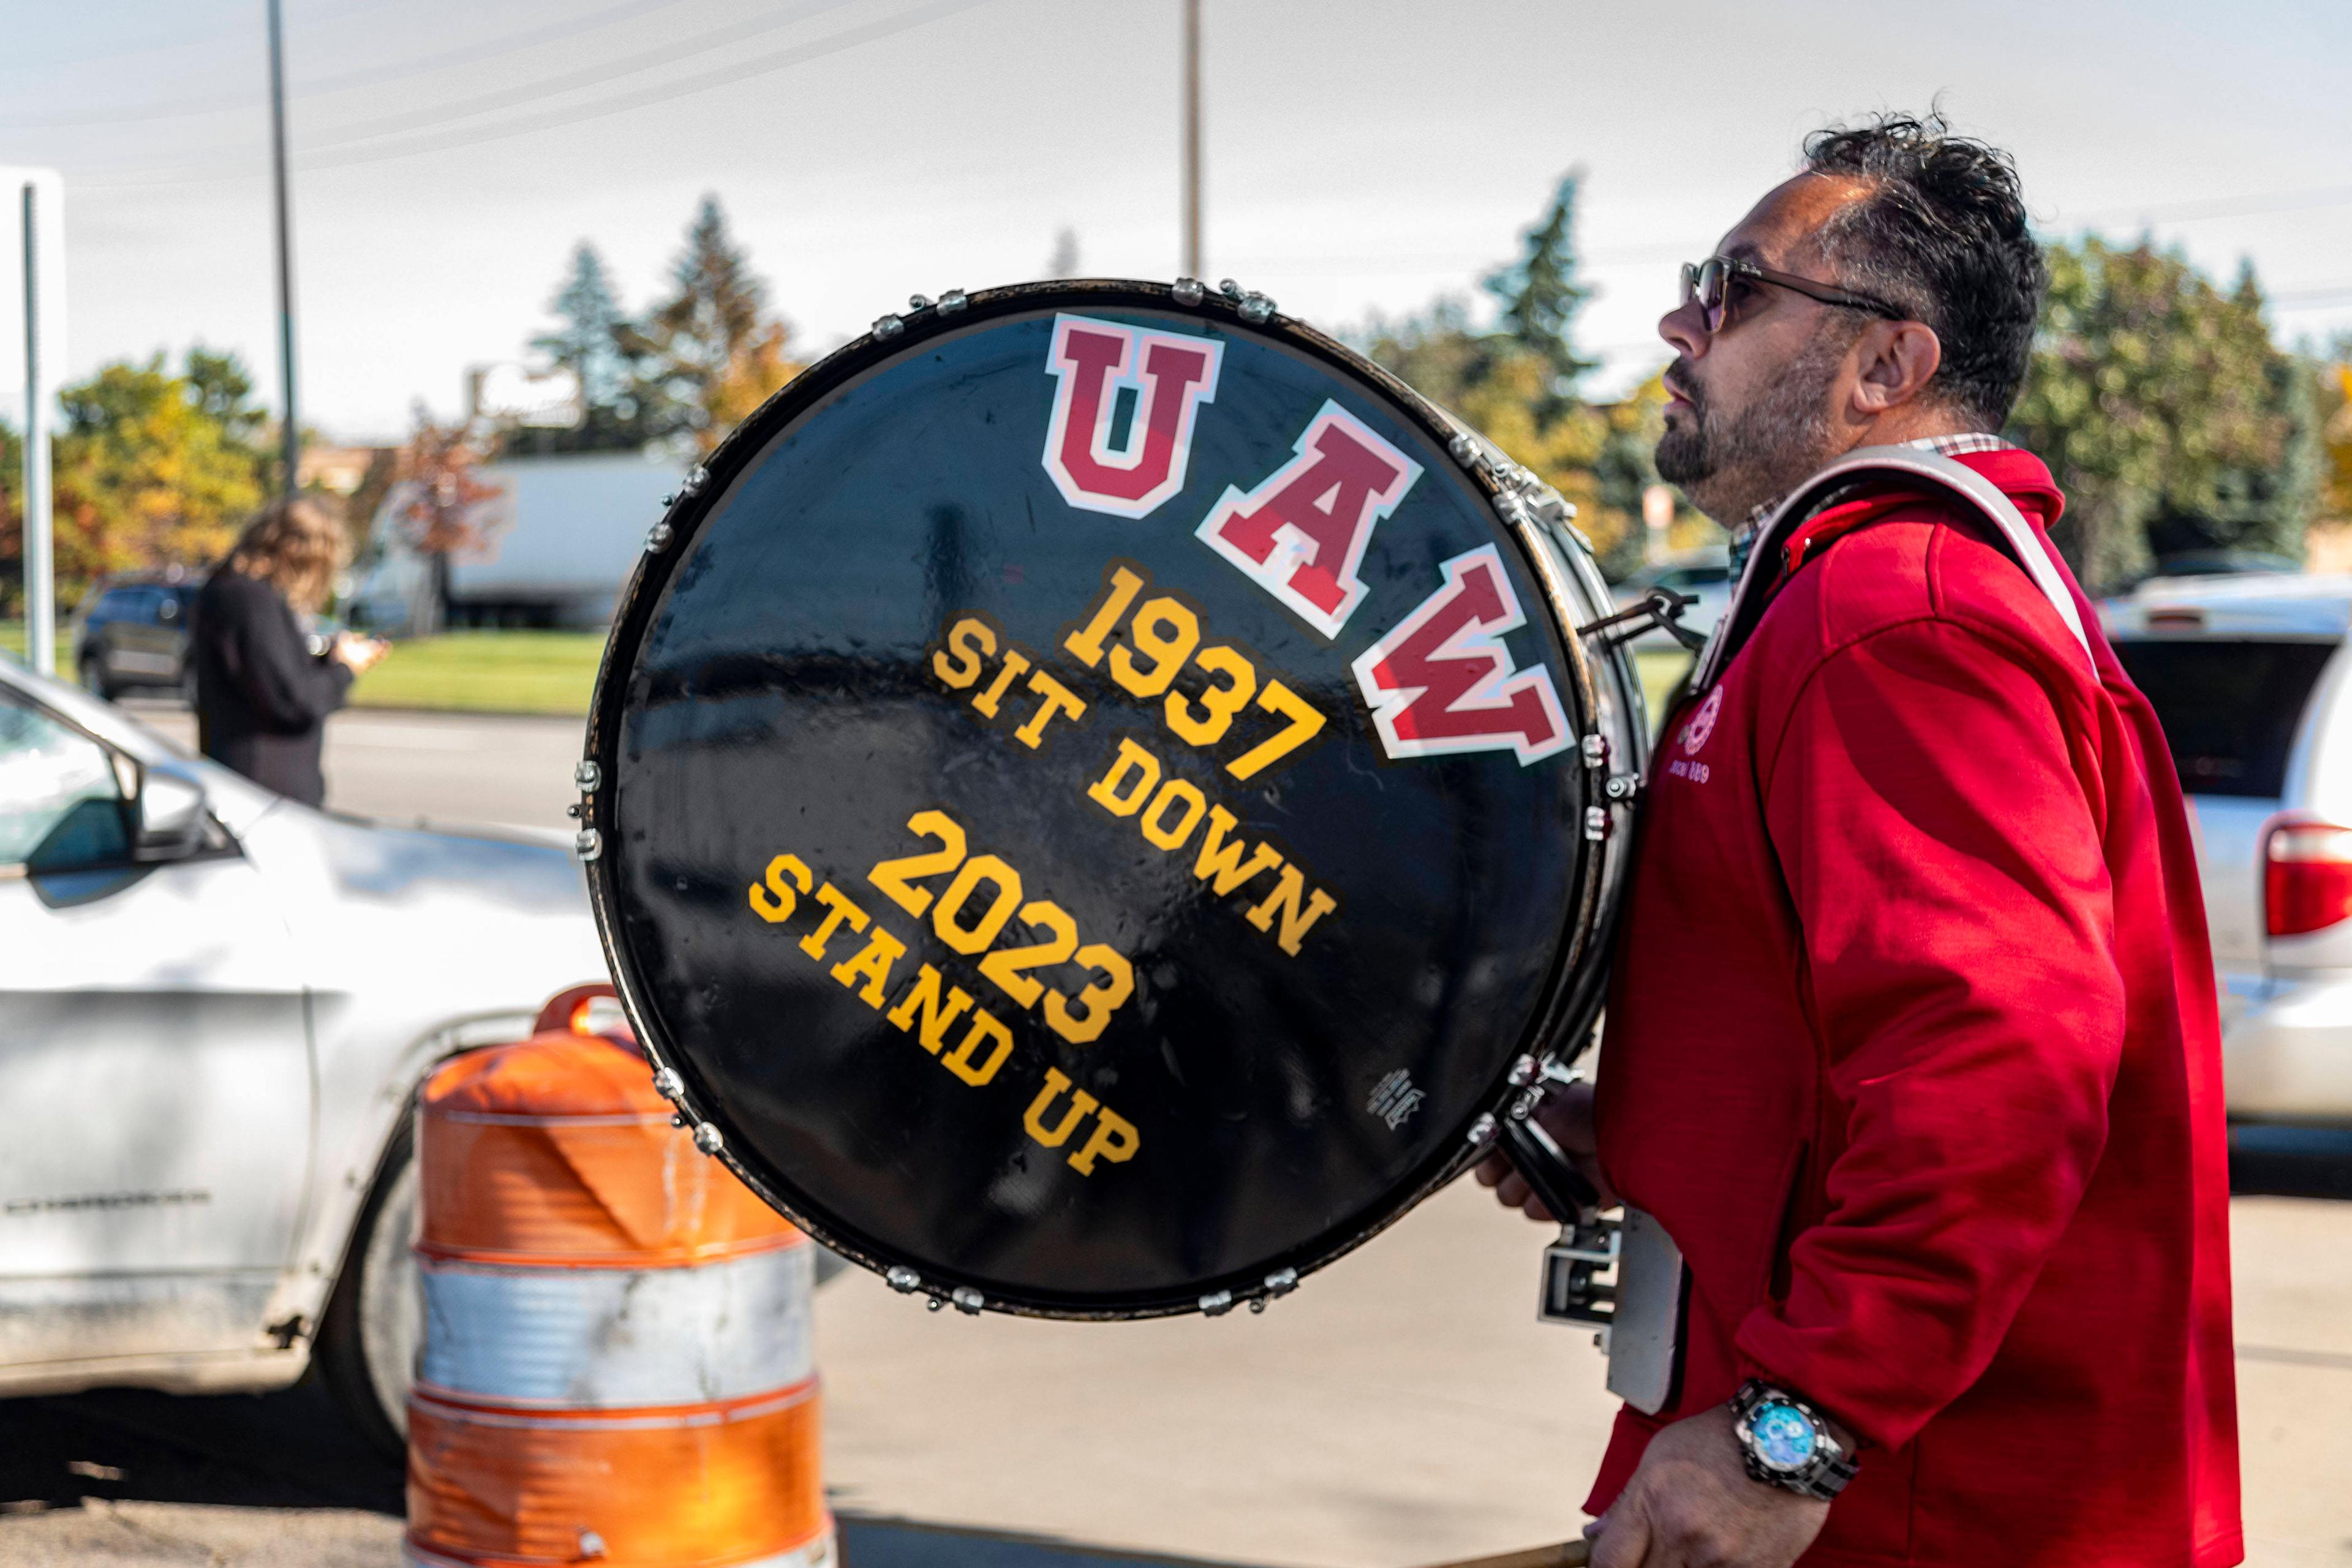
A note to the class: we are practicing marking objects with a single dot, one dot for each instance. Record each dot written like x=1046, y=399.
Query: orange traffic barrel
x=616, y=1365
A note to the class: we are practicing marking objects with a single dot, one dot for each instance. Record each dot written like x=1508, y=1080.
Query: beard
x=1731, y=461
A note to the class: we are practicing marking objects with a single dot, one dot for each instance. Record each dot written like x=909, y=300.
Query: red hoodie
x=1912, y=1047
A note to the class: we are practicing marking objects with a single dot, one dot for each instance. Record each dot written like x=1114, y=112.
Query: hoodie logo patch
x=1702, y=723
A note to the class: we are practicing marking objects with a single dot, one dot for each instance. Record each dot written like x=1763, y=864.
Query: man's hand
x=1566, y=1114
x=1692, y=1504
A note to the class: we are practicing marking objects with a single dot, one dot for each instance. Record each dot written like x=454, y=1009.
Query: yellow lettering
x=924, y=999
x=1105, y=791
x=1113, y=1138
x=1058, y=699
x=839, y=908
x=1016, y=661
x=983, y=1027
x=1081, y=1103
x=1220, y=861
x=969, y=640
x=1155, y=822
x=1285, y=898
x=774, y=902
x=882, y=949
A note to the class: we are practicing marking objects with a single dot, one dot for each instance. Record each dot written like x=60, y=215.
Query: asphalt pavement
x=1403, y=1407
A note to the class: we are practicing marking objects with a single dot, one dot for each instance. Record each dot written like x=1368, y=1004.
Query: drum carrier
x=1099, y=798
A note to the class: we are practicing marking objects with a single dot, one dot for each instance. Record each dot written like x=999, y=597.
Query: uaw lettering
x=1068, y=796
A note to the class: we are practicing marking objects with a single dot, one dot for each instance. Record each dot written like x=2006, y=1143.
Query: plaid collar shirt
x=1743, y=538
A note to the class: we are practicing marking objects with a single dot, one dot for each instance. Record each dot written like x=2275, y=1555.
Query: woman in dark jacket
x=262, y=696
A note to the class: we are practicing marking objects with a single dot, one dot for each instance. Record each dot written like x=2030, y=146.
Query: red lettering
x=1171, y=375
x=1443, y=681
x=1302, y=532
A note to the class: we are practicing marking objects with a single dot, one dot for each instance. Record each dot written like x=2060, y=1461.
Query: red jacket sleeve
x=1945, y=858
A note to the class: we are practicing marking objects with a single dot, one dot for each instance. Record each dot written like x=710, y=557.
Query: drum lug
x=1188, y=291
x=1255, y=307
x=588, y=776
x=1525, y=1072
x=903, y=1280
x=709, y=1138
x=953, y=302
x=1595, y=748
x=1596, y=822
x=657, y=538
x=888, y=327
x=1216, y=1304
x=968, y=1301
x=667, y=1084
x=1483, y=1129
x=588, y=843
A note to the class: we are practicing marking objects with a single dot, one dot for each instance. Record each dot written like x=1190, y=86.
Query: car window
x=60, y=807
x=114, y=604
x=2229, y=708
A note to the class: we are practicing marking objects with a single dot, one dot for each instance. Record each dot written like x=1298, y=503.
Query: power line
x=684, y=86
x=488, y=49
x=567, y=81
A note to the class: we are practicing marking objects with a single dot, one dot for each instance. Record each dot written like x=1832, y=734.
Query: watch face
x=1784, y=1439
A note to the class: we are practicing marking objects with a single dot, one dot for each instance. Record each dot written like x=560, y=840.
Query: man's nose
x=1684, y=326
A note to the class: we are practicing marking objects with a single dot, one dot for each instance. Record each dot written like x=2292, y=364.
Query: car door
x=155, y=1086
x=146, y=640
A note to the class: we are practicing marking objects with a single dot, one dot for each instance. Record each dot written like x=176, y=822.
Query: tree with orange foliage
x=718, y=350
x=440, y=509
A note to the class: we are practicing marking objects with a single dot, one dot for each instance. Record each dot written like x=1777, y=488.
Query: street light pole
x=292, y=432
x=40, y=573
x=1191, y=137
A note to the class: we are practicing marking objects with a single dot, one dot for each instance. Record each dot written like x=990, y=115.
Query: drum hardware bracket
x=967, y=1301
x=1596, y=822
x=1622, y=786
x=588, y=776
x=1483, y=1129
x=953, y=302
x=657, y=538
x=1255, y=307
x=1188, y=291
x=667, y=1084
x=1595, y=748
x=709, y=1138
x=588, y=843
x=1659, y=608
x=1278, y=1284
x=1572, y=1291
x=1217, y=1303
x=696, y=478
x=888, y=327
x=903, y=1280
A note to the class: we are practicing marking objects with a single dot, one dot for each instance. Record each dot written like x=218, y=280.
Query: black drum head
x=1092, y=800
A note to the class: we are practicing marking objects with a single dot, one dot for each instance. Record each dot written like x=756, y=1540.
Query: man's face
x=1754, y=404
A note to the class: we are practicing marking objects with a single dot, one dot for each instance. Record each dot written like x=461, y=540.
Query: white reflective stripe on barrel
x=817, y=1553
x=606, y=1339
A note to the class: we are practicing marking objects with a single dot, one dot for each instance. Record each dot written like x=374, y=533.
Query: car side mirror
x=171, y=814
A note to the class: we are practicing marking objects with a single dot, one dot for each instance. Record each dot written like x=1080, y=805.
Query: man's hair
x=1941, y=234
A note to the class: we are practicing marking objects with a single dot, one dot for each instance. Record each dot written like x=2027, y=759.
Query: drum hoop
x=1559, y=1022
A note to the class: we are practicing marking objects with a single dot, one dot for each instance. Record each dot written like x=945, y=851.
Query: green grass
x=11, y=638
x=486, y=672
x=1659, y=669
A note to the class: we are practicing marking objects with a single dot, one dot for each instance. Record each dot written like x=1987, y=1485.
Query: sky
x=1362, y=156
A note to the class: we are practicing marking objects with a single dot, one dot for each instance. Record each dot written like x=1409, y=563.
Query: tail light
x=2306, y=876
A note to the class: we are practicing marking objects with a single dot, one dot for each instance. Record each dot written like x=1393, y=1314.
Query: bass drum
x=1096, y=801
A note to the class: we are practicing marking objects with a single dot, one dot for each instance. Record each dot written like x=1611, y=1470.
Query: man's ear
x=1895, y=361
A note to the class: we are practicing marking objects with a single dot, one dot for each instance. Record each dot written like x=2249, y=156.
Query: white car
x=215, y=1007
x=2250, y=677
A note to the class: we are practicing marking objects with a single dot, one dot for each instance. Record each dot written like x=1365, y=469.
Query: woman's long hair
x=295, y=547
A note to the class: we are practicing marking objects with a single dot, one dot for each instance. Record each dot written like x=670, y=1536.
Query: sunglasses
x=1717, y=284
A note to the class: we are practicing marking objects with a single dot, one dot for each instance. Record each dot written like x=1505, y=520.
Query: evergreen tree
x=1540, y=295
x=719, y=352
x=593, y=340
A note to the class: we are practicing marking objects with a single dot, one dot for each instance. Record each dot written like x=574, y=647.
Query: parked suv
x=2249, y=675
x=132, y=631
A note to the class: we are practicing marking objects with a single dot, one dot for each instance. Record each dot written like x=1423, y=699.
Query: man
x=1912, y=1044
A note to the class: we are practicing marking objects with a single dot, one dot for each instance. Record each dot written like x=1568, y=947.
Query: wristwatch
x=1786, y=1443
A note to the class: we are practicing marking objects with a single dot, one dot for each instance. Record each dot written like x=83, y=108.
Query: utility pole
x=292, y=432
x=40, y=574
x=1191, y=137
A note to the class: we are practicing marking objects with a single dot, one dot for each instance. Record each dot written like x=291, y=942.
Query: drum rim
x=1560, y=1024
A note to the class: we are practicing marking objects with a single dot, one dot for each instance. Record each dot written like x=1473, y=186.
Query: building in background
x=558, y=543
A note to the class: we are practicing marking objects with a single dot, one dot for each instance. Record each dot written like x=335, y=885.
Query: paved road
x=1403, y=1407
